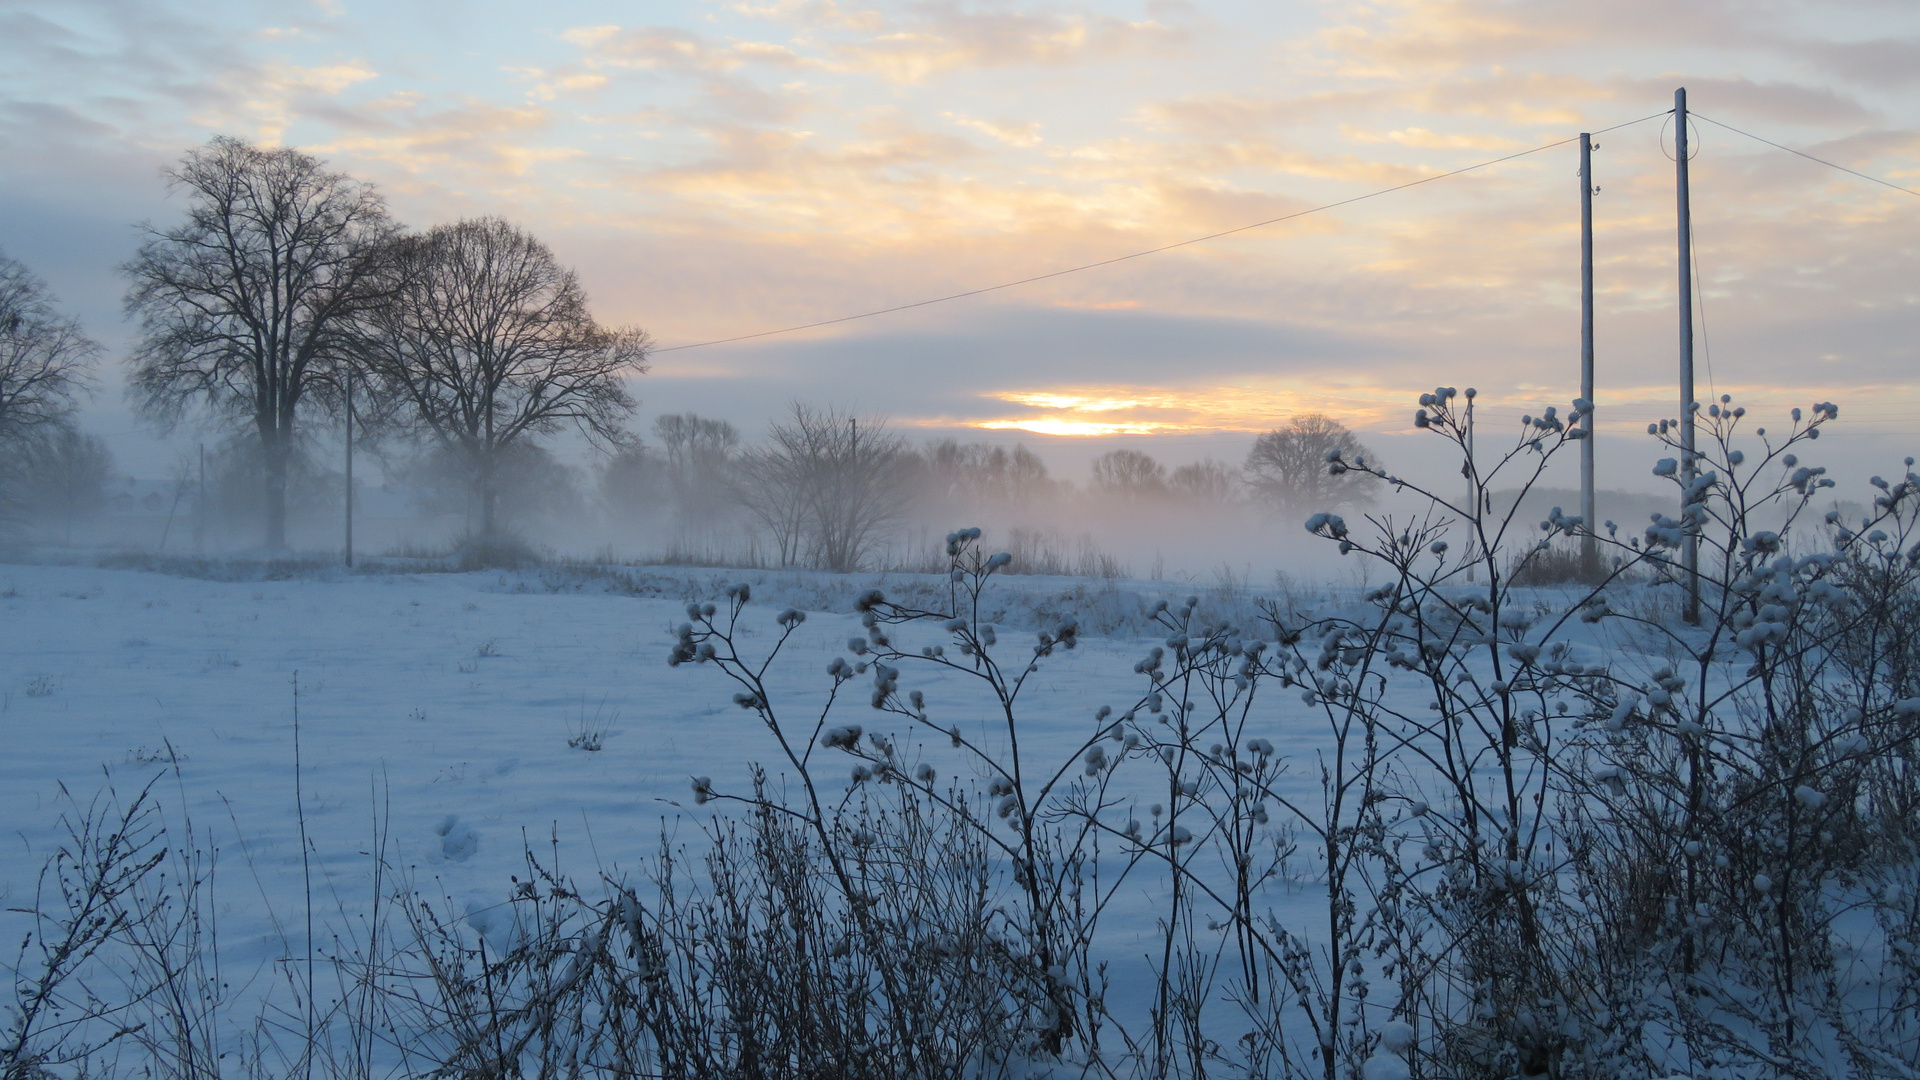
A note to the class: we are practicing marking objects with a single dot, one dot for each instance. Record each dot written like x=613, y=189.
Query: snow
x=1384, y=1066
x=437, y=709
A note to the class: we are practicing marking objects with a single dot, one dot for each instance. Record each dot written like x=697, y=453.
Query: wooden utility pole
x=1475, y=504
x=200, y=506
x=349, y=464
x=1689, y=543
x=1589, y=544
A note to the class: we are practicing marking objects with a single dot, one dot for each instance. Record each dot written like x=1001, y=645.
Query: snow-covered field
x=441, y=719
x=440, y=707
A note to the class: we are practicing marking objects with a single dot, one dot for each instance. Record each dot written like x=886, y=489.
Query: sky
x=717, y=168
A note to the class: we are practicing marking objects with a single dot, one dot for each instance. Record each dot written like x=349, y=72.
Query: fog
x=685, y=491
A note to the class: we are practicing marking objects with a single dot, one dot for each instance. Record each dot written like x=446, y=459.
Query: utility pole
x=349, y=464
x=1689, y=543
x=1468, y=469
x=200, y=506
x=1589, y=544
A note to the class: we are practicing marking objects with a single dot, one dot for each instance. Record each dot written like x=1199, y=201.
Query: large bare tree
x=1287, y=467
x=246, y=307
x=485, y=341
x=45, y=359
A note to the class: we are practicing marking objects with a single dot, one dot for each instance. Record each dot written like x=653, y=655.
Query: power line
x=1153, y=251
x=1700, y=301
x=1804, y=154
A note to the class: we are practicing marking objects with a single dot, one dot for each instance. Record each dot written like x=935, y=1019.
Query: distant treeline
x=289, y=302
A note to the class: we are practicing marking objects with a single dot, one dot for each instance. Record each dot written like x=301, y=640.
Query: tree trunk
x=489, y=497
x=275, y=446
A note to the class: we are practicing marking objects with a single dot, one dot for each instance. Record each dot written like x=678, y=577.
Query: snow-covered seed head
x=1396, y=1037
x=844, y=737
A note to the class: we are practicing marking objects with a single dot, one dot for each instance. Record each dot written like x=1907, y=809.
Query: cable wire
x=1804, y=154
x=1155, y=251
x=1700, y=301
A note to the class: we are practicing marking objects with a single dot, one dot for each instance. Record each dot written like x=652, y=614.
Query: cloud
x=268, y=99
x=811, y=13
x=1021, y=133
x=472, y=142
x=670, y=48
x=1426, y=140
x=940, y=38
x=1887, y=63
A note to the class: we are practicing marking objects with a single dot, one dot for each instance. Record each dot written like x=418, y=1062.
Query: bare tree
x=1129, y=474
x=45, y=359
x=975, y=476
x=61, y=476
x=1205, y=482
x=1288, y=467
x=862, y=483
x=632, y=483
x=828, y=486
x=770, y=482
x=246, y=307
x=485, y=341
x=699, y=454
